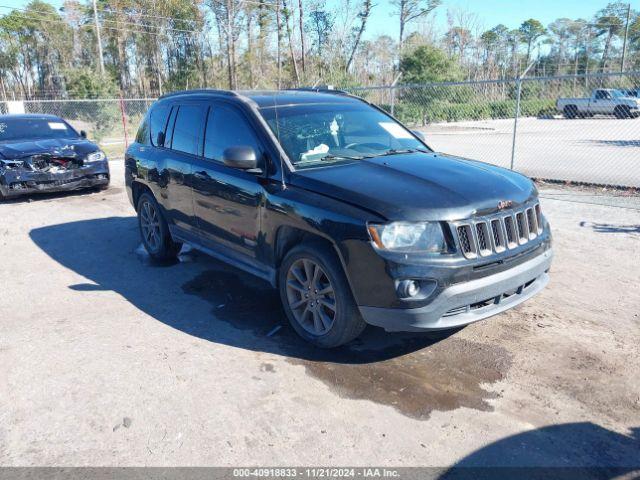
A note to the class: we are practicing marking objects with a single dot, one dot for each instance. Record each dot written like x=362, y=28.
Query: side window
x=227, y=127
x=158, y=121
x=143, y=131
x=172, y=120
x=186, y=132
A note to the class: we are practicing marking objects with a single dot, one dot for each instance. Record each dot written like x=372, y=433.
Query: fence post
x=393, y=92
x=393, y=100
x=124, y=123
x=515, y=122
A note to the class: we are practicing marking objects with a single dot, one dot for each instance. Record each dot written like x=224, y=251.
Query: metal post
x=587, y=56
x=124, y=122
x=393, y=92
x=515, y=123
x=626, y=34
x=95, y=19
x=393, y=100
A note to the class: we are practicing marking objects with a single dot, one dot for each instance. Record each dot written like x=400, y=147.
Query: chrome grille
x=538, y=217
x=523, y=234
x=466, y=240
x=496, y=233
x=484, y=241
x=499, y=241
x=511, y=232
x=531, y=221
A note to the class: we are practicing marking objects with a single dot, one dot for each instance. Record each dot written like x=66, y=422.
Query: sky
x=490, y=12
x=493, y=12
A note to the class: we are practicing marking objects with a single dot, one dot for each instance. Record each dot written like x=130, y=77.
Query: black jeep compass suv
x=348, y=213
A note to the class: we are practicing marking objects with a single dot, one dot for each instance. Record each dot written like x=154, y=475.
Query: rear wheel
x=317, y=298
x=570, y=111
x=622, y=111
x=154, y=230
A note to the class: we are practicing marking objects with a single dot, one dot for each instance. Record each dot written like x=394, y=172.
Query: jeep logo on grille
x=505, y=204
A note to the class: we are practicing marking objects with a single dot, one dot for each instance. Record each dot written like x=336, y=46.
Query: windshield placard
x=395, y=130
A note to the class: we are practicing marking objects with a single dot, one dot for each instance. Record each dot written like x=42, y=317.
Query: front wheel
x=622, y=111
x=154, y=230
x=317, y=298
x=570, y=111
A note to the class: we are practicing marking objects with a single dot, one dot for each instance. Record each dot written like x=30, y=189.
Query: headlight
x=408, y=237
x=95, y=157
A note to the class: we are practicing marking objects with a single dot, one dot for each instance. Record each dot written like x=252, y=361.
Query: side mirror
x=83, y=134
x=419, y=134
x=160, y=139
x=241, y=157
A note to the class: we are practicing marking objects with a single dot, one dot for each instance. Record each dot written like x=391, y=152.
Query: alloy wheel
x=150, y=226
x=311, y=296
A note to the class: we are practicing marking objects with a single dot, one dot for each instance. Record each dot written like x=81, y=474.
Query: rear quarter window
x=143, y=134
x=158, y=121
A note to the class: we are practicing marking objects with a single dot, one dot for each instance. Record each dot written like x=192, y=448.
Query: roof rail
x=320, y=89
x=228, y=93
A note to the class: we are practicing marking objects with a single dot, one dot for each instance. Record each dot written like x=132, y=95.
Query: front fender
x=342, y=225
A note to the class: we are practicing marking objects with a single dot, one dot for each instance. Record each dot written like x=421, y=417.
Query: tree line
x=149, y=47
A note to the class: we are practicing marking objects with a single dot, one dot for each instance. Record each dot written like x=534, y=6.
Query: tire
x=154, y=230
x=570, y=111
x=622, y=111
x=337, y=325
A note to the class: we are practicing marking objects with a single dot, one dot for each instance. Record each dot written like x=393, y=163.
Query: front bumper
x=467, y=302
x=14, y=183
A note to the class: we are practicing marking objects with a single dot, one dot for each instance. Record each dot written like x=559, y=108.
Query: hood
x=419, y=186
x=64, y=147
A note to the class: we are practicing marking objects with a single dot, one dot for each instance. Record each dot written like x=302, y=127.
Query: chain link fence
x=579, y=129
x=547, y=128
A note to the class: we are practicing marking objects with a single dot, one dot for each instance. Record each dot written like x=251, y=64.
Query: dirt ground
x=107, y=359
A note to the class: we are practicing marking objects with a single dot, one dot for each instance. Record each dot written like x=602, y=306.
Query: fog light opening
x=408, y=288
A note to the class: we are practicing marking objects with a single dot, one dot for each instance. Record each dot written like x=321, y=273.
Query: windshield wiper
x=331, y=156
x=343, y=157
x=395, y=151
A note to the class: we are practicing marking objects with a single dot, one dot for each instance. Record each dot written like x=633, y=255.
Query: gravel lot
x=602, y=150
x=108, y=359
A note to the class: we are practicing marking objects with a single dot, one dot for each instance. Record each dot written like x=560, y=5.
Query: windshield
x=12, y=129
x=318, y=134
x=618, y=94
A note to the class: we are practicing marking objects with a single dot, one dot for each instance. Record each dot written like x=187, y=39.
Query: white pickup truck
x=602, y=102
